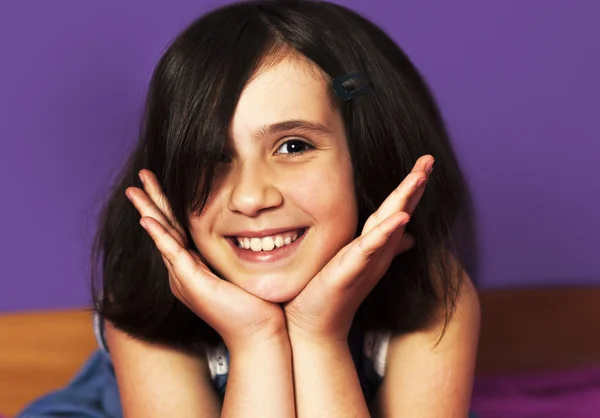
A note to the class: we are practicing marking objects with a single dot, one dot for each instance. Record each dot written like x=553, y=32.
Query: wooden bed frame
x=523, y=330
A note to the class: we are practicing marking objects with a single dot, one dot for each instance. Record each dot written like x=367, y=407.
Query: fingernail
x=421, y=183
x=143, y=223
x=141, y=178
x=429, y=167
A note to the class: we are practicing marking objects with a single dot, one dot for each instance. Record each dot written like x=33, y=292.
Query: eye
x=294, y=146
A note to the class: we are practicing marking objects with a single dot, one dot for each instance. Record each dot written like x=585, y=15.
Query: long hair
x=191, y=100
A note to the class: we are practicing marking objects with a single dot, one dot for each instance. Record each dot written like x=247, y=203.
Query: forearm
x=260, y=382
x=325, y=380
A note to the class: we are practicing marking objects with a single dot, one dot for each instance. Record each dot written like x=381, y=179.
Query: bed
x=539, y=353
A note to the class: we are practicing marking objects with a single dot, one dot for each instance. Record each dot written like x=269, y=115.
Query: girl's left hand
x=325, y=308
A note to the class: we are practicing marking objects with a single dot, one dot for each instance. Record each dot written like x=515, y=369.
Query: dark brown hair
x=191, y=99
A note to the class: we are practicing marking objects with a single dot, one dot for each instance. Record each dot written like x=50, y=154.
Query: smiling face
x=284, y=203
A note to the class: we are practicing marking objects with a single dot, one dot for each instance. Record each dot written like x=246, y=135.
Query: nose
x=253, y=190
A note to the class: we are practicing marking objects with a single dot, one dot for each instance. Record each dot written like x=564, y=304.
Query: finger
x=424, y=163
x=406, y=196
x=146, y=207
x=364, y=248
x=406, y=243
x=155, y=193
x=179, y=261
x=193, y=283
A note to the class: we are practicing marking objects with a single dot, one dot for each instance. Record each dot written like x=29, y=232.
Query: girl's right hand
x=242, y=319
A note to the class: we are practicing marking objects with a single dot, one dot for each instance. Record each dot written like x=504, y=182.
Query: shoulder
x=172, y=379
x=430, y=371
x=455, y=320
x=454, y=324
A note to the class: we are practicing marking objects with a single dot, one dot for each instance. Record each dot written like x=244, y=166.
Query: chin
x=272, y=291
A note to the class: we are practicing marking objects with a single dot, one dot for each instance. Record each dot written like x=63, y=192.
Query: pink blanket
x=572, y=394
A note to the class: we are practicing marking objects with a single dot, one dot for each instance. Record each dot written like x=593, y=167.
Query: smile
x=268, y=243
x=267, y=248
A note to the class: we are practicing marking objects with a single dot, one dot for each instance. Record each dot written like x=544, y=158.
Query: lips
x=265, y=232
x=271, y=252
x=268, y=243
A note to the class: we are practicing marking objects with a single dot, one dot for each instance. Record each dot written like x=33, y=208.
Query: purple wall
x=517, y=82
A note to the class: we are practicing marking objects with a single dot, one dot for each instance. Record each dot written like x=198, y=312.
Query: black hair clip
x=349, y=86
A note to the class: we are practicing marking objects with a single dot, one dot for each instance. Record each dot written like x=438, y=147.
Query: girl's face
x=284, y=203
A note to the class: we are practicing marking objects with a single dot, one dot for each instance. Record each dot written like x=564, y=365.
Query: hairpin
x=355, y=89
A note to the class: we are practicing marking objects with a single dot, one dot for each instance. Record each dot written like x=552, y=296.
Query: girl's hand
x=239, y=317
x=325, y=308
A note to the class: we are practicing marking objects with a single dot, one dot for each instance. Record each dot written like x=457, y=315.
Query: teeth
x=255, y=244
x=279, y=241
x=266, y=243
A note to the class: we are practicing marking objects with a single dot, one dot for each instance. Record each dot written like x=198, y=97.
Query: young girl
x=278, y=243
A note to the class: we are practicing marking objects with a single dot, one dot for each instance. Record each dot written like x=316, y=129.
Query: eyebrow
x=292, y=125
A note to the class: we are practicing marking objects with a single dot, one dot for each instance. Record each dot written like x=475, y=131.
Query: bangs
x=204, y=77
x=200, y=78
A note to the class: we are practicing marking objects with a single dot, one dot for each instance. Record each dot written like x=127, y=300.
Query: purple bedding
x=572, y=394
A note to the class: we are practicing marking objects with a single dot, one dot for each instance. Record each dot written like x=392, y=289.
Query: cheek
x=328, y=197
x=201, y=226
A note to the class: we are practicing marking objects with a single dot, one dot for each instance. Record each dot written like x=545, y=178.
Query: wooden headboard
x=522, y=330
x=41, y=352
x=548, y=329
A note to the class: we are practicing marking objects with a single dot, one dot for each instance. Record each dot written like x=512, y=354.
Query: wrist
x=300, y=339
x=260, y=380
x=274, y=341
